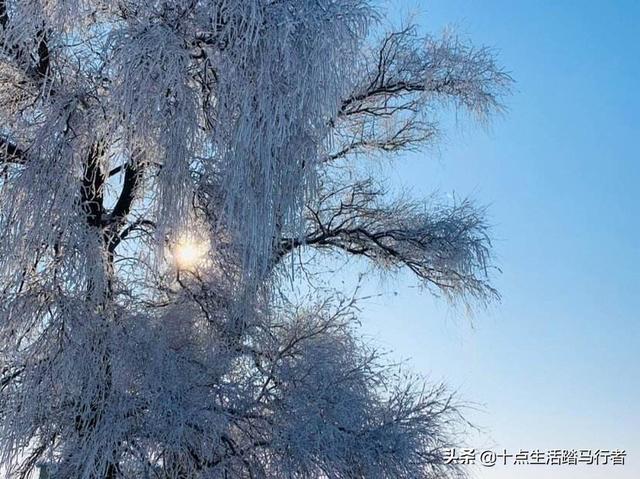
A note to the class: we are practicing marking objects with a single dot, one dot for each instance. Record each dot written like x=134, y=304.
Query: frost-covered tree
x=166, y=169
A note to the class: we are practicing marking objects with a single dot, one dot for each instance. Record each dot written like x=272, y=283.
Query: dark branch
x=4, y=18
x=403, y=85
x=140, y=225
x=132, y=174
x=37, y=69
x=91, y=192
x=44, y=63
x=118, y=217
x=445, y=247
x=11, y=153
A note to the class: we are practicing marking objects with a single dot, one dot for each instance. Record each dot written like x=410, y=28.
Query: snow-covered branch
x=404, y=81
x=446, y=246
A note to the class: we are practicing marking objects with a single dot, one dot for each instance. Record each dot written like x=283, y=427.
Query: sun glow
x=189, y=253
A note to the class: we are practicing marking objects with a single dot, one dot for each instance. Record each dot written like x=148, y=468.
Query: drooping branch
x=446, y=247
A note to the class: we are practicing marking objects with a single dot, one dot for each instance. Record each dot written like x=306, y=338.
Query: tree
x=161, y=162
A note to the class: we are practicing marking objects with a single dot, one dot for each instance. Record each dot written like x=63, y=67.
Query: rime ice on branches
x=128, y=126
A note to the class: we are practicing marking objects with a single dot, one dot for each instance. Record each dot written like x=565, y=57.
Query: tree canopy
x=160, y=164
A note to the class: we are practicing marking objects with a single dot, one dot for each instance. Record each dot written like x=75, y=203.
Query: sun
x=189, y=253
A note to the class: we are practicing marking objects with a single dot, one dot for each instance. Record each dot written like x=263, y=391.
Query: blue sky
x=557, y=363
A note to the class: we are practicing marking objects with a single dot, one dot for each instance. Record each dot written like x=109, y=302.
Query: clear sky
x=557, y=363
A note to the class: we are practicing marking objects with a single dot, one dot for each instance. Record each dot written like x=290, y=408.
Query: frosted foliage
x=285, y=86
x=265, y=119
x=165, y=166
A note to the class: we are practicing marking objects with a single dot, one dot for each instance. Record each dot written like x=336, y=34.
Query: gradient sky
x=556, y=364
